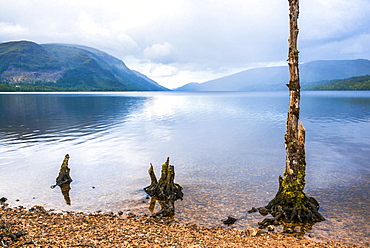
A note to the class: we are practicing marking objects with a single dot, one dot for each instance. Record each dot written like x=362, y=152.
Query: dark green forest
x=353, y=83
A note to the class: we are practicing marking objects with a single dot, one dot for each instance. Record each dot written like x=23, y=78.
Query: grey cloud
x=194, y=35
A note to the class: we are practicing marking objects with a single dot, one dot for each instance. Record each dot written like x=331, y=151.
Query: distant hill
x=276, y=78
x=27, y=66
x=353, y=83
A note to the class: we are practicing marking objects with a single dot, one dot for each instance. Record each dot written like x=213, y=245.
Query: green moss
x=301, y=174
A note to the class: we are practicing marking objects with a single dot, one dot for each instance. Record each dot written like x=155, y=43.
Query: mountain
x=146, y=78
x=353, y=83
x=276, y=78
x=28, y=66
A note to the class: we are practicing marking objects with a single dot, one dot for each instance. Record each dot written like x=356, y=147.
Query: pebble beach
x=38, y=227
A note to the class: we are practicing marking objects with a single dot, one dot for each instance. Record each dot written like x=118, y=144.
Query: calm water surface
x=227, y=148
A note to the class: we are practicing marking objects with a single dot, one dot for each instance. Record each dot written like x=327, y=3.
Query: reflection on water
x=54, y=118
x=228, y=149
x=65, y=188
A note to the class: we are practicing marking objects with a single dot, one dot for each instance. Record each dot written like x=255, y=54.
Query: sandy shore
x=37, y=227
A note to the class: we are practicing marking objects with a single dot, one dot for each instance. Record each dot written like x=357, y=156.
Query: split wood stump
x=165, y=191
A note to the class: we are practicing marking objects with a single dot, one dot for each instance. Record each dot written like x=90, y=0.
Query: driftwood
x=64, y=180
x=165, y=191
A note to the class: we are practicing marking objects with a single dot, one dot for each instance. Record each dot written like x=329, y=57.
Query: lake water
x=227, y=149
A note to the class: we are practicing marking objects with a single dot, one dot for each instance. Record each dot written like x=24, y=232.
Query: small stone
x=15, y=236
x=251, y=232
x=130, y=215
x=289, y=230
x=270, y=228
x=229, y=221
x=263, y=211
x=298, y=229
x=253, y=210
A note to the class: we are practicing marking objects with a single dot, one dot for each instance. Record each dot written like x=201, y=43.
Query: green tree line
x=353, y=83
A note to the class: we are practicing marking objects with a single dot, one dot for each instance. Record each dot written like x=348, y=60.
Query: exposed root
x=300, y=210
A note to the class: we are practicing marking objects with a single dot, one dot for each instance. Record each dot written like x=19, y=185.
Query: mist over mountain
x=67, y=67
x=275, y=78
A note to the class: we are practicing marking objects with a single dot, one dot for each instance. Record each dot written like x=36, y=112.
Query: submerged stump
x=64, y=180
x=165, y=191
x=63, y=177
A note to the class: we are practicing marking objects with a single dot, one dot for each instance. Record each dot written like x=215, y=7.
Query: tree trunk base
x=284, y=208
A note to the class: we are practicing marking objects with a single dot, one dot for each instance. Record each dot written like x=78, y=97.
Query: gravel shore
x=37, y=227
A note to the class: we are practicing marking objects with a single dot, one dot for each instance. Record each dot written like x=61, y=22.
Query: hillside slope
x=276, y=78
x=353, y=83
x=31, y=66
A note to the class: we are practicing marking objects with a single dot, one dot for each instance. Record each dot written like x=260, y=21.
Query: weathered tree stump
x=64, y=171
x=165, y=191
x=291, y=204
x=64, y=180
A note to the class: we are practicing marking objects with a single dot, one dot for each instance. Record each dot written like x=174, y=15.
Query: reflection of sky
x=338, y=137
x=233, y=138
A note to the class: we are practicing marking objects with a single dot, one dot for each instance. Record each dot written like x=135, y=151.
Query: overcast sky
x=175, y=42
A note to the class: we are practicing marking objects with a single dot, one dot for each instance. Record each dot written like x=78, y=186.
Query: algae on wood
x=291, y=203
x=64, y=180
x=165, y=191
x=64, y=171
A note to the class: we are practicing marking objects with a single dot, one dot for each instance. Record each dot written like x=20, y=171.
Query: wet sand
x=37, y=227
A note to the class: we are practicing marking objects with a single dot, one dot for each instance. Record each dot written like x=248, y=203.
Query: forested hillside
x=27, y=66
x=353, y=83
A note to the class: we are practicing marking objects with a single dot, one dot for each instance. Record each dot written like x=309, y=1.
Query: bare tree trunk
x=290, y=202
